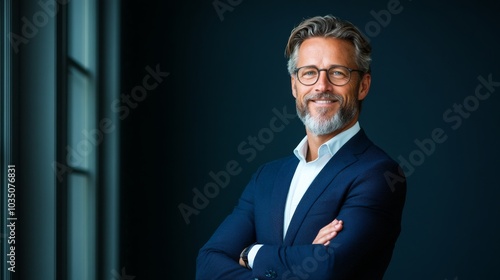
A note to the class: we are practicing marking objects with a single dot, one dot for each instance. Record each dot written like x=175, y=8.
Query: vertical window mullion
x=62, y=125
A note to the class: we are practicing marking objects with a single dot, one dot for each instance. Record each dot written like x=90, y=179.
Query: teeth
x=323, y=101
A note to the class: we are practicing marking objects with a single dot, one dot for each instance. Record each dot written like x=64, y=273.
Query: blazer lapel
x=279, y=195
x=342, y=159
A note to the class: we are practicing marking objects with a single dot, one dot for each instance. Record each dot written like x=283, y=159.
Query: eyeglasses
x=337, y=74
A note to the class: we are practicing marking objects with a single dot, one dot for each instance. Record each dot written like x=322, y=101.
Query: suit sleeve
x=219, y=257
x=371, y=212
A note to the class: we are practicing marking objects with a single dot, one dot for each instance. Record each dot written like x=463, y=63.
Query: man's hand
x=324, y=236
x=328, y=232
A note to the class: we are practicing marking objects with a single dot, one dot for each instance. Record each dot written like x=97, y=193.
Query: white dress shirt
x=305, y=174
x=307, y=171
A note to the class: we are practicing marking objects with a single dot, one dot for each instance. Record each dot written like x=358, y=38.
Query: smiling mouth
x=323, y=101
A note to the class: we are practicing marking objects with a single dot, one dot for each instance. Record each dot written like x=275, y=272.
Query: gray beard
x=321, y=126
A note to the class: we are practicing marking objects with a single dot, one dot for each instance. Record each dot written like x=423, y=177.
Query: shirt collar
x=331, y=146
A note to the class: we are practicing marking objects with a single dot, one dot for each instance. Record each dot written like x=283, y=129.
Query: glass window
x=82, y=144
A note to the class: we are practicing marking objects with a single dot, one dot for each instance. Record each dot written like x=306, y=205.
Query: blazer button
x=270, y=274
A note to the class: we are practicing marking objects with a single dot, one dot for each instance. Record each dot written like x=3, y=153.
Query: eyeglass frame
x=296, y=72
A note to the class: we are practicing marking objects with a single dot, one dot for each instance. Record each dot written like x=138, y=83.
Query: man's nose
x=323, y=84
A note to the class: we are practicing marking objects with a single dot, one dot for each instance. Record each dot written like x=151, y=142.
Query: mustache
x=324, y=95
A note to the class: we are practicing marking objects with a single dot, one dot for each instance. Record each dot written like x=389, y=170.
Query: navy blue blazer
x=361, y=185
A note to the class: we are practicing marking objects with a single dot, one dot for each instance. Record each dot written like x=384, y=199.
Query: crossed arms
x=324, y=236
x=355, y=242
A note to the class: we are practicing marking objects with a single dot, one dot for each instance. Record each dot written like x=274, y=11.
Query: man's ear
x=294, y=88
x=364, y=86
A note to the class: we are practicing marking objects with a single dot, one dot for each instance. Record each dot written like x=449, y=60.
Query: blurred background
x=134, y=126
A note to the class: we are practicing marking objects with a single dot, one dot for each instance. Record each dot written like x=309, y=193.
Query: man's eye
x=338, y=74
x=309, y=73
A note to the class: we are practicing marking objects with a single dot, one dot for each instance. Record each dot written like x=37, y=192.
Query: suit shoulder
x=278, y=163
x=376, y=152
x=375, y=156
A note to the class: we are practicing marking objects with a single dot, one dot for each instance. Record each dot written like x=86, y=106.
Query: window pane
x=81, y=141
x=81, y=31
x=81, y=231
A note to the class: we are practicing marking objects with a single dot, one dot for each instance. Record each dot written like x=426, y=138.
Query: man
x=333, y=209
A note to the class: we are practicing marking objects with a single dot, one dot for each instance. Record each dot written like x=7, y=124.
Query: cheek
x=350, y=96
x=299, y=94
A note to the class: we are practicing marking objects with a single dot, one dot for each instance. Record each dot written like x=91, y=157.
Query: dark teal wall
x=431, y=107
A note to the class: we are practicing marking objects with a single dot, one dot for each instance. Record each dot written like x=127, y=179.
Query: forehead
x=323, y=52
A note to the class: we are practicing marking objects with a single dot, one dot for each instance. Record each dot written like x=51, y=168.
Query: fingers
x=335, y=225
x=338, y=224
x=328, y=232
x=324, y=236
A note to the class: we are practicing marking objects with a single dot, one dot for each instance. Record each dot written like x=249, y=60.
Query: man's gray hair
x=328, y=26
